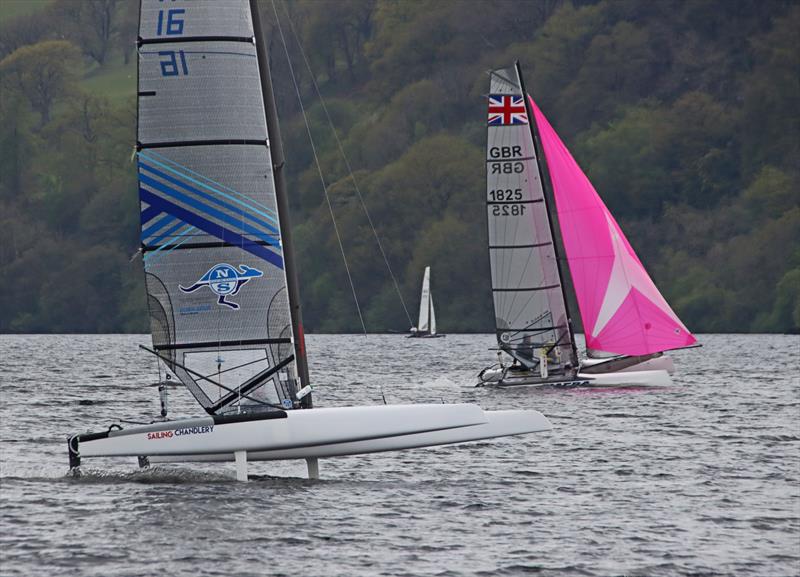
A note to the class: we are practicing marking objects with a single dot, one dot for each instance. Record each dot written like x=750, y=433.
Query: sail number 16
x=172, y=25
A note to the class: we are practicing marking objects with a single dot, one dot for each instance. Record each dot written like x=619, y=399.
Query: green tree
x=43, y=74
x=93, y=24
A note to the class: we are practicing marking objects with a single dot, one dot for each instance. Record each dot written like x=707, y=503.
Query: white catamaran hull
x=661, y=363
x=497, y=424
x=627, y=378
x=308, y=433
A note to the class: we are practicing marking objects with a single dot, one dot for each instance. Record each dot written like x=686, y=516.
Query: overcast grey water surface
x=702, y=478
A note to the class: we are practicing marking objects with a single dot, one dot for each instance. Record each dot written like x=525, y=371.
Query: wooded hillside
x=685, y=115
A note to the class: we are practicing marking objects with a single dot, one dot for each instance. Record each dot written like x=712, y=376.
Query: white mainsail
x=424, y=302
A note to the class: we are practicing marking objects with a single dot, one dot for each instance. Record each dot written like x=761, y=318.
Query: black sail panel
x=210, y=229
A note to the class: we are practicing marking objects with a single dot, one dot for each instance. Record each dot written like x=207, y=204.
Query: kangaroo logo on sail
x=225, y=281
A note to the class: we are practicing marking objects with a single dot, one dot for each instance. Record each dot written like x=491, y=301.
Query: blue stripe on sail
x=161, y=187
x=157, y=225
x=204, y=195
x=148, y=214
x=185, y=171
x=151, y=257
x=247, y=203
x=211, y=228
x=168, y=232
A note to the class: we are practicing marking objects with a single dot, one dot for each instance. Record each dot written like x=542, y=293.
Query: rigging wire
x=319, y=167
x=347, y=163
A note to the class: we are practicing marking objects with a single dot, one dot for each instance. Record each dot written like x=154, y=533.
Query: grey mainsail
x=210, y=229
x=530, y=309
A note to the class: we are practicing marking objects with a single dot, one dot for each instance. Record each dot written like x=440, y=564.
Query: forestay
x=622, y=310
x=530, y=310
x=210, y=231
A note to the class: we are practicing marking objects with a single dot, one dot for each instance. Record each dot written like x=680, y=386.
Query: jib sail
x=622, y=310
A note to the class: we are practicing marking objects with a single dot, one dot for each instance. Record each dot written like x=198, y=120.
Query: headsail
x=210, y=232
x=622, y=310
x=530, y=309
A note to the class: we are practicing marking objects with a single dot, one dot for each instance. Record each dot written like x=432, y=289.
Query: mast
x=542, y=171
x=276, y=154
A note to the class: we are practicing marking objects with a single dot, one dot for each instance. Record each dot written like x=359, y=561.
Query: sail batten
x=210, y=227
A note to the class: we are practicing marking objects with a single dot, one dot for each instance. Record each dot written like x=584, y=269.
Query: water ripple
x=701, y=478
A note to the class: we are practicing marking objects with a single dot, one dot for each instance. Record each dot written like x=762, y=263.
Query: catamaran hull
x=657, y=378
x=307, y=433
x=658, y=363
x=498, y=424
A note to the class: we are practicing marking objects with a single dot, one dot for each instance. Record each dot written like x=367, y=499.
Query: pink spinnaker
x=622, y=310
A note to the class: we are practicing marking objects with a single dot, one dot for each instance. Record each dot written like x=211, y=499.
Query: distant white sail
x=424, y=302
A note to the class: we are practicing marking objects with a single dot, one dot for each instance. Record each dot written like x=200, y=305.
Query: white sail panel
x=159, y=19
x=529, y=301
x=182, y=86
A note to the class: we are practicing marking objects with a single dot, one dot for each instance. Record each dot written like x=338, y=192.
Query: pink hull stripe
x=622, y=310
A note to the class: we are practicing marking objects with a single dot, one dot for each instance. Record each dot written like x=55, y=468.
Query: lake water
x=702, y=478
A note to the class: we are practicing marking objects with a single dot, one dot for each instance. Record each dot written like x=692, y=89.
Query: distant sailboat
x=426, y=327
x=628, y=323
x=220, y=274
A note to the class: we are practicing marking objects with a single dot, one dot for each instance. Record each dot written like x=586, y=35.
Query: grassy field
x=12, y=8
x=115, y=80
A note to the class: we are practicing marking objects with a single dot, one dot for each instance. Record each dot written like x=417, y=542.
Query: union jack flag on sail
x=506, y=109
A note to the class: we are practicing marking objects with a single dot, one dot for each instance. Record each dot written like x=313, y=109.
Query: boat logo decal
x=225, y=281
x=178, y=432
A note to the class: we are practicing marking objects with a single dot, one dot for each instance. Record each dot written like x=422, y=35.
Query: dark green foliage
x=685, y=115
